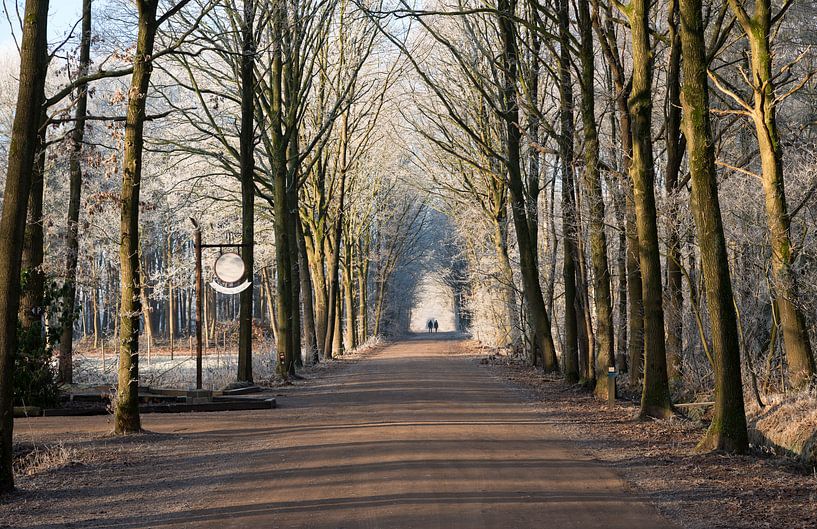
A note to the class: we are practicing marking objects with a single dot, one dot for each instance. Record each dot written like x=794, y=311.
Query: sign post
x=199, y=299
x=611, y=385
x=230, y=269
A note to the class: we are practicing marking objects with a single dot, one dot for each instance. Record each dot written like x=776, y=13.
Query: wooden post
x=199, y=299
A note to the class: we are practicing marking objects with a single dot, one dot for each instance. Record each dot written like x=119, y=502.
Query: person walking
x=436, y=326
x=430, y=325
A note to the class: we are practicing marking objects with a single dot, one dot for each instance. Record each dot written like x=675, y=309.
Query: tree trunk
x=317, y=262
x=171, y=299
x=32, y=296
x=592, y=183
x=310, y=340
x=758, y=29
x=145, y=301
x=655, y=397
x=273, y=318
x=363, y=289
x=675, y=153
x=334, y=261
x=508, y=327
x=727, y=430
x=349, y=298
x=247, y=174
x=634, y=317
x=540, y=321
x=293, y=157
x=126, y=409
x=621, y=269
x=22, y=151
x=337, y=336
x=570, y=351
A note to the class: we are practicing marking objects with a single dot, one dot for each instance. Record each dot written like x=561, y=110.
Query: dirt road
x=414, y=436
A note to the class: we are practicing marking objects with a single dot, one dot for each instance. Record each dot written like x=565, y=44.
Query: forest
x=596, y=188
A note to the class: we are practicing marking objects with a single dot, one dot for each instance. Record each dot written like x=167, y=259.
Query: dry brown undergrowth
x=31, y=459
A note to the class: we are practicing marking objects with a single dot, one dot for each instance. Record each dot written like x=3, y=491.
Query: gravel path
x=414, y=435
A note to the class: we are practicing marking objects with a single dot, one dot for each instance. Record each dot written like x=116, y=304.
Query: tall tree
x=761, y=110
x=542, y=342
x=247, y=170
x=622, y=86
x=74, y=200
x=126, y=408
x=655, y=396
x=21, y=155
x=33, y=293
x=592, y=183
x=727, y=430
x=570, y=268
x=674, y=156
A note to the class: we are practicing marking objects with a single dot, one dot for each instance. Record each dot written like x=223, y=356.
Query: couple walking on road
x=432, y=325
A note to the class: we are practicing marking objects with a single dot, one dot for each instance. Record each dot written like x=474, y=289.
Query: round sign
x=229, y=267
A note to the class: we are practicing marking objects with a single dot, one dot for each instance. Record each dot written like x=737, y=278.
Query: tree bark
x=727, y=430
x=126, y=408
x=310, y=340
x=32, y=296
x=758, y=29
x=570, y=350
x=349, y=297
x=675, y=153
x=634, y=316
x=247, y=175
x=509, y=325
x=592, y=183
x=540, y=321
x=655, y=397
x=363, y=286
x=22, y=151
x=335, y=239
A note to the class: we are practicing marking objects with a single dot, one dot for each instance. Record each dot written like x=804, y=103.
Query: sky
x=63, y=14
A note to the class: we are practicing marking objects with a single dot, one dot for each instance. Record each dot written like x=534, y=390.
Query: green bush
x=35, y=376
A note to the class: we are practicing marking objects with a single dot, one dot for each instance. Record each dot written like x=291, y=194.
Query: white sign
x=230, y=290
x=229, y=267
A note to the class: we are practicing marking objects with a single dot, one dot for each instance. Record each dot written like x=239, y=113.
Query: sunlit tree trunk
x=762, y=111
x=508, y=326
x=126, y=408
x=727, y=431
x=310, y=341
x=337, y=336
x=335, y=240
x=349, y=297
x=655, y=397
x=363, y=285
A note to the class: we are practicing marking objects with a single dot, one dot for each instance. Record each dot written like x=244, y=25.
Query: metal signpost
x=230, y=270
x=612, y=373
